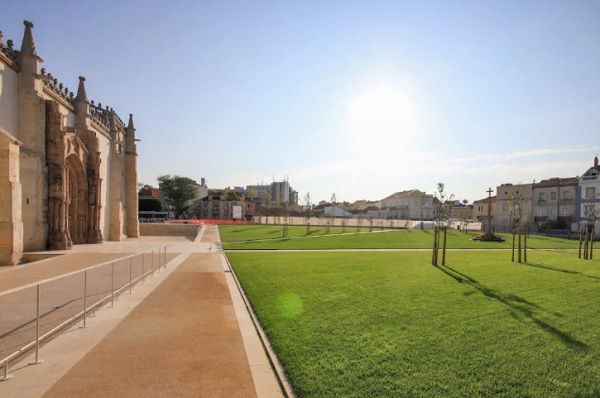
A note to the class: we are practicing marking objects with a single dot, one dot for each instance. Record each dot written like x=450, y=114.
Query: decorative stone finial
x=1, y=39
x=130, y=124
x=81, y=95
x=28, y=45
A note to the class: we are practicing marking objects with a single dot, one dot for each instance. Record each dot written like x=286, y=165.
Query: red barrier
x=208, y=222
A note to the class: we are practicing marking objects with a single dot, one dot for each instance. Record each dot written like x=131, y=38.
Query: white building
x=589, y=192
x=412, y=205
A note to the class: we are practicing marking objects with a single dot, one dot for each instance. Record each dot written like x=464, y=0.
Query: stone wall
x=8, y=99
x=11, y=225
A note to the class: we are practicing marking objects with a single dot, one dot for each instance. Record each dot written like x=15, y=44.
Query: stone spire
x=28, y=45
x=131, y=195
x=1, y=39
x=130, y=146
x=130, y=124
x=81, y=95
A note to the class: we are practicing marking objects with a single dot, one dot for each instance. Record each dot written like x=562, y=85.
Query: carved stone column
x=58, y=231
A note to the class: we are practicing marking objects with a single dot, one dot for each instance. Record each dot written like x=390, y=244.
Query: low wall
x=149, y=229
x=350, y=222
x=365, y=222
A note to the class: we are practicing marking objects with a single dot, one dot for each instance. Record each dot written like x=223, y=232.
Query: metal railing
x=118, y=275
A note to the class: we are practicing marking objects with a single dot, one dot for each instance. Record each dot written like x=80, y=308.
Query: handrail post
x=37, y=327
x=6, y=376
x=152, y=268
x=130, y=265
x=84, y=298
x=165, y=258
x=152, y=259
x=142, y=268
x=112, y=285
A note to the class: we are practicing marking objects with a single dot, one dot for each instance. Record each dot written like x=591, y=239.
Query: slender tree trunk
x=519, y=254
x=580, y=239
x=592, y=243
x=585, y=243
x=434, y=251
x=444, y=247
x=513, y=246
x=525, y=246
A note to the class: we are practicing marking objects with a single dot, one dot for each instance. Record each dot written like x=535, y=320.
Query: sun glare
x=382, y=116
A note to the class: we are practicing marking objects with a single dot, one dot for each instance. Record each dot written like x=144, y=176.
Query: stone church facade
x=68, y=172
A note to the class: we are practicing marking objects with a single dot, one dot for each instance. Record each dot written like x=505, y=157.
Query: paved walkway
x=182, y=340
x=184, y=333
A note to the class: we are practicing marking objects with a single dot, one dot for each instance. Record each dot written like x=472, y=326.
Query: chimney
x=595, y=161
x=202, y=181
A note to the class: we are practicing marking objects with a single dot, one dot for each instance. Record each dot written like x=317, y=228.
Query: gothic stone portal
x=76, y=200
x=73, y=183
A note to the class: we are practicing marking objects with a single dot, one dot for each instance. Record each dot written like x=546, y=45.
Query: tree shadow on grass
x=566, y=271
x=519, y=306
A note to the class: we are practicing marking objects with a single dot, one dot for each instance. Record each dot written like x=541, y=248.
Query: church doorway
x=77, y=200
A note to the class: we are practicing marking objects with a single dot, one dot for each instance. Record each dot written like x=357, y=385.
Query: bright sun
x=382, y=117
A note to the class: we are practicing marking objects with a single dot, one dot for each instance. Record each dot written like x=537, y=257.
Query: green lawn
x=239, y=233
x=240, y=237
x=389, y=324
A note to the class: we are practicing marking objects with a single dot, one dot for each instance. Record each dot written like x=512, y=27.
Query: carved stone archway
x=77, y=200
x=74, y=181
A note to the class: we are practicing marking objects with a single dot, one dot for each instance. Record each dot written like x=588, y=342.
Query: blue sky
x=357, y=98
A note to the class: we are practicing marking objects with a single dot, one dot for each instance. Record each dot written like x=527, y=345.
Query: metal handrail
x=16, y=289
x=83, y=313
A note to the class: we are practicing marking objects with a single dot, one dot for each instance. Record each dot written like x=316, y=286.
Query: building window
x=542, y=196
x=552, y=195
x=566, y=195
x=590, y=192
x=504, y=206
x=565, y=212
x=553, y=212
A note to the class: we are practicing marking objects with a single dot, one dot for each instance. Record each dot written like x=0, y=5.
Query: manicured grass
x=238, y=233
x=389, y=324
x=395, y=239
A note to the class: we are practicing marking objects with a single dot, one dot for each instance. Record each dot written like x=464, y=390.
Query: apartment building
x=504, y=194
x=555, y=200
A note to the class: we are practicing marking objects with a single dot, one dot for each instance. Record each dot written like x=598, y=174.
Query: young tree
x=331, y=217
x=286, y=215
x=516, y=205
x=307, y=211
x=179, y=191
x=359, y=221
x=441, y=212
x=586, y=234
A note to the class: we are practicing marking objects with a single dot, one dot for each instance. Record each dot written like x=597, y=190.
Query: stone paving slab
x=182, y=340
